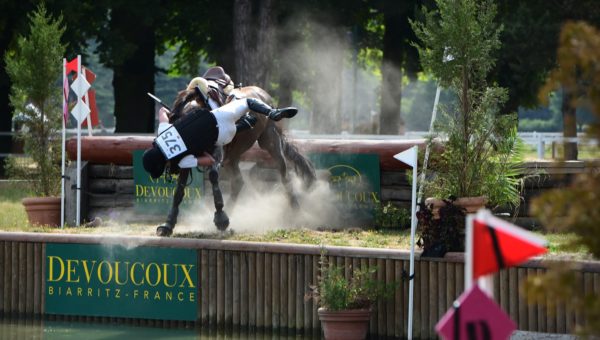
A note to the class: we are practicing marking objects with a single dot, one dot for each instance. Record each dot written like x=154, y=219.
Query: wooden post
x=381, y=310
x=450, y=284
x=504, y=283
x=212, y=288
x=390, y=311
x=291, y=292
x=276, y=280
x=228, y=288
x=260, y=289
x=29, y=275
x=243, y=291
x=399, y=304
x=300, y=290
x=236, y=290
x=441, y=302
x=514, y=297
x=3, y=267
x=523, y=315
x=252, y=290
x=308, y=305
x=433, y=296
x=424, y=270
x=220, y=289
x=373, y=326
x=268, y=316
x=531, y=308
x=283, y=287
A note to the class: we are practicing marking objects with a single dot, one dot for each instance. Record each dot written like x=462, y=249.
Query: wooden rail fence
x=261, y=286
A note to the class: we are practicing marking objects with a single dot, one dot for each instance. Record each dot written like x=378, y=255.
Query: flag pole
x=413, y=227
x=431, y=128
x=64, y=136
x=78, y=216
x=469, y=251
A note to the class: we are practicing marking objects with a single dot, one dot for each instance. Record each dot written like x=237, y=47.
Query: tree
x=458, y=44
x=11, y=23
x=577, y=208
x=528, y=52
x=253, y=40
x=398, y=55
x=35, y=95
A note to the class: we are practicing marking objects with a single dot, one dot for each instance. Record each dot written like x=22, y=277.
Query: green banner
x=119, y=281
x=156, y=195
x=355, y=180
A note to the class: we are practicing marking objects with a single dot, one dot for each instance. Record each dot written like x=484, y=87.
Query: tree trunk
x=569, y=126
x=5, y=108
x=390, y=122
x=133, y=72
x=326, y=86
x=252, y=41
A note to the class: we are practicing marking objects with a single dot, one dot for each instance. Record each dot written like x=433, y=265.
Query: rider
x=201, y=130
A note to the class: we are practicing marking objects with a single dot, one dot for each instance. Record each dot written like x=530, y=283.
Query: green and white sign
x=355, y=180
x=118, y=281
x=156, y=195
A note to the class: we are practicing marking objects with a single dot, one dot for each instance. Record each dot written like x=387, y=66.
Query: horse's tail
x=302, y=165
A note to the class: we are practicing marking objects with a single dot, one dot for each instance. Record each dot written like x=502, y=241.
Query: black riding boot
x=259, y=106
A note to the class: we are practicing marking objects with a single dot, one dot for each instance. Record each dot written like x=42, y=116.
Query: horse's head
x=194, y=96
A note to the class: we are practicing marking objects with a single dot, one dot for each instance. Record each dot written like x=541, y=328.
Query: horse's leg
x=221, y=219
x=237, y=180
x=272, y=141
x=166, y=229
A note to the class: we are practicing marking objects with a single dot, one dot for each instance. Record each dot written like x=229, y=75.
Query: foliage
x=390, y=216
x=576, y=208
x=335, y=292
x=438, y=236
x=34, y=69
x=459, y=40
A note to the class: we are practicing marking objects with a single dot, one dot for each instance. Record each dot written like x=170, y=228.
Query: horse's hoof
x=221, y=220
x=164, y=231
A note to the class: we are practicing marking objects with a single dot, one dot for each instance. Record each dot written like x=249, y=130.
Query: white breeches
x=226, y=116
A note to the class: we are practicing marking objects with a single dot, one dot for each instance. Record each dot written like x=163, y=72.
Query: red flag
x=93, y=109
x=499, y=244
x=71, y=66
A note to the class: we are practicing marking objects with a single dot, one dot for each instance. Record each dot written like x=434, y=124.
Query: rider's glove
x=188, y=161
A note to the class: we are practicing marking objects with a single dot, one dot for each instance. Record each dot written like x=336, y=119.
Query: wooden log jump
x=119, y=149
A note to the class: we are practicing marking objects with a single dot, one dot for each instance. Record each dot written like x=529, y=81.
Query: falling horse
x=270, y=138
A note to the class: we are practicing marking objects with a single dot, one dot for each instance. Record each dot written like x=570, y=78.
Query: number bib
x=170, y=143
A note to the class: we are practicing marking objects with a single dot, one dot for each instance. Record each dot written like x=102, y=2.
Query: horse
x=270, y=138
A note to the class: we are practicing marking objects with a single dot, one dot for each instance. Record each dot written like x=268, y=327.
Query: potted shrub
x=34, y=68
x=482, y=154
x=345, y=305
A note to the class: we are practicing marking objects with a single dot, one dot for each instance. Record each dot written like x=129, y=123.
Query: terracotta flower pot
x=43, y=210
x=345, y=324
x=471, y=204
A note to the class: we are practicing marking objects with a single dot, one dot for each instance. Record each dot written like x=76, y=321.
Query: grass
x=14, y=218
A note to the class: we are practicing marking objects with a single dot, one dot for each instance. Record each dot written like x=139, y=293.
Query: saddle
x=219, y=84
